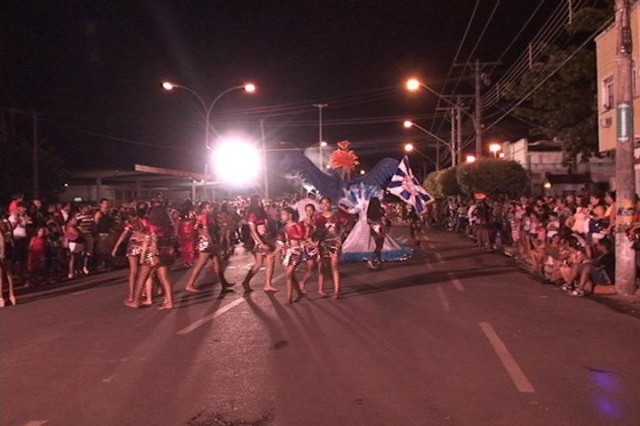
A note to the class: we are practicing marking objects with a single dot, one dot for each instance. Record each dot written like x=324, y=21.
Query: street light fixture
x=471, y=158
x=168, y=86
x=495, y=148
x=408, y=147
x=409, y=124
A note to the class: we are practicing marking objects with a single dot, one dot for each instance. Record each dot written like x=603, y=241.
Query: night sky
x=92, y=70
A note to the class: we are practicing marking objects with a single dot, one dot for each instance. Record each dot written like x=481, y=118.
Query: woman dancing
x=208, y=247
x=264, y=249
x=133, y=232
x=375, y=219
x=291, y=245
x=330, y=244
x=311, y=251
x=156, y=256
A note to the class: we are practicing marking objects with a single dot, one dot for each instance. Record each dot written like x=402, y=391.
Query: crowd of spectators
x=566, y=241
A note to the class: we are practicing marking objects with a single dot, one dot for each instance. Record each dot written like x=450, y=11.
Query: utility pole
x=320, y=144
x=478, y=121
x=36, y=184
x=625, y=279
x=479, y=79
x=454, y=145
x=459, y=131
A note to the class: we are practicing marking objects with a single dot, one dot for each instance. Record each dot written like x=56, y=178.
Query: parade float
x=355, y=193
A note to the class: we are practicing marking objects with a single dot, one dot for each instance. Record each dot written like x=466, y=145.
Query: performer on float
x=290, y=244
x=133, y=232
x=208, y=247
x=375, y=219
x=311, y=250
x=156, y=256
x=330, y=244
x=368, y=240
x=264, y=249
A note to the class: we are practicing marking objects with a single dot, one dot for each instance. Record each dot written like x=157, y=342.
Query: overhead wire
x=551, y=74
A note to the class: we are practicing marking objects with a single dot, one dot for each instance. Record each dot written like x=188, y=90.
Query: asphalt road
x=451, y=337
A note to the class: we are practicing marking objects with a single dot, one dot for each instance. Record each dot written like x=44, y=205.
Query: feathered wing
x=297, y=164
x=380, y=174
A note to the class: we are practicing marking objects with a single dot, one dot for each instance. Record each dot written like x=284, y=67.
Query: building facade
x=606, y=68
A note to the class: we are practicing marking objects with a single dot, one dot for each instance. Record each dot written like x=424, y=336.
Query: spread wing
x=296, y=164
x=380, y=174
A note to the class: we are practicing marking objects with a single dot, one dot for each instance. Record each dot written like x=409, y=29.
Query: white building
x=543, y=160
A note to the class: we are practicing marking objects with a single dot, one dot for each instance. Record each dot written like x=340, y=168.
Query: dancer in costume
x=134, y=229
x=208, y=247
x=264, y=249
x=157, y=255
x=311, y=249
x=290, y=244
x=330, y=244
x=187, y=234
x=375, y=219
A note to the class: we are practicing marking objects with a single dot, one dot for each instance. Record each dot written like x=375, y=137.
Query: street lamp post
x=408, y=124
x=249, y=87
x=415, y=84
x=321, y=142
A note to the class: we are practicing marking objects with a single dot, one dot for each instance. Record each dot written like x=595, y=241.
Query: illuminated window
x=634, y=78
x=608, y=94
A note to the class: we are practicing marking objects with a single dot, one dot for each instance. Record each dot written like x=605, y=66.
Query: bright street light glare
x=362, y=172
x=250, y=87
x=236, y=161
x=471, y=158
x=408, y=147
x=501, y=155
x=323, y=144
x=495, y=147
x=407, y=124
x=167, y=86
x=413, y=84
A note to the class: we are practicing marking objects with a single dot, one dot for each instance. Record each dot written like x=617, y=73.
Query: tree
x=493, y=177
x=442, y=183
x=564, y=108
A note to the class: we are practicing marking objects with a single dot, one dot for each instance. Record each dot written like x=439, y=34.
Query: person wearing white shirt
x=301, y=204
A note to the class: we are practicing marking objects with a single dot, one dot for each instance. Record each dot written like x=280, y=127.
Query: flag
x=405, y=185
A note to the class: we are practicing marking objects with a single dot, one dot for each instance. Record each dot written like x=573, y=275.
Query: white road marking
x=219, y=312
x=79, y=292
x=35, y=422
x=216, y=314
x=510, y=364
x=108, y=379
x=443, y=299
x=456, y=282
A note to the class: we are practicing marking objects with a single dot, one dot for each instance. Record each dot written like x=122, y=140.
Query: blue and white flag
x=405, y=185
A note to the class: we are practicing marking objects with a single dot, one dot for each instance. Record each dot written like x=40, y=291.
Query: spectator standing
x=104, y=222
x=87, y=227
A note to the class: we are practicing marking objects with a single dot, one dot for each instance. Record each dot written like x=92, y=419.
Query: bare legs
x=144, y=276
x=311, y=267
x=200, y=264
x=292, y=283
x=334, y=261
x=133, y=272
x=5, y=270
x=269, y=261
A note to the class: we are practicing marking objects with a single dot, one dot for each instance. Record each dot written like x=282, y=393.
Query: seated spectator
x=600, y=271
